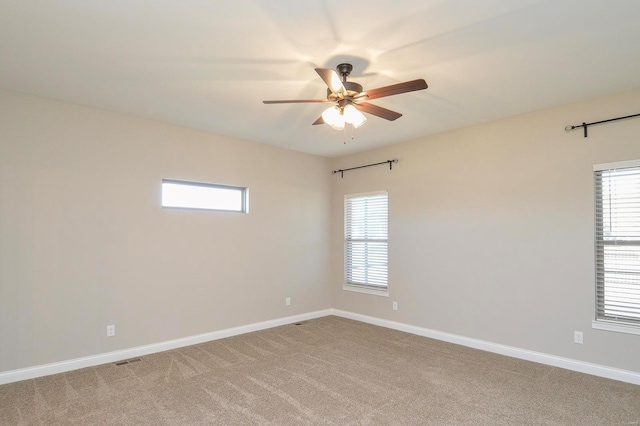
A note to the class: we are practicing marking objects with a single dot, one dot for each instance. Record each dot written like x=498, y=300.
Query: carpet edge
x=524, y=354
x=17, y=375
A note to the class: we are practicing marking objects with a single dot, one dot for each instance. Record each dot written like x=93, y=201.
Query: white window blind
x=365, y=240
x=617, y=195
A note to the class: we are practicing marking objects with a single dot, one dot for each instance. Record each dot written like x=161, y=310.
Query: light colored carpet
x=325, y=371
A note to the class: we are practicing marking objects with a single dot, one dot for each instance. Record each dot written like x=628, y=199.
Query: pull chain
x=344, y=133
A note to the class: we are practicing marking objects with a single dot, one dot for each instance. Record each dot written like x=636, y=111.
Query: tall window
x=204, y=196
x=617, y=195
x=365, y=242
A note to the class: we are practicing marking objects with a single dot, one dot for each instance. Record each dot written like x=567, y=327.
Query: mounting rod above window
x=585, y=125
x=390, y=162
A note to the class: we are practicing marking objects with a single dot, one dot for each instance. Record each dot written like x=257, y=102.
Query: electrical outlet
x=577, y=337
x=287, y=301
x=395, y=306
x=111, y=330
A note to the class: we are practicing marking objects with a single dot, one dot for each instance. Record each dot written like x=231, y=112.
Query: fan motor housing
x=353, y=89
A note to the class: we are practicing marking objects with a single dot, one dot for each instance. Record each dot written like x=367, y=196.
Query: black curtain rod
x=585, y=125
x=390, y=162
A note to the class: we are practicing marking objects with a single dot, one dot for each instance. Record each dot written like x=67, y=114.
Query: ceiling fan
x=350, y=101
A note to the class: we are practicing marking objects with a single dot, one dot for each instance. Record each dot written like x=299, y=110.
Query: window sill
x=612, y=326
x=366, y=290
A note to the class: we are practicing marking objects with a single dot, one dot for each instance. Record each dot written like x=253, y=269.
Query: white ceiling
x=209, y=64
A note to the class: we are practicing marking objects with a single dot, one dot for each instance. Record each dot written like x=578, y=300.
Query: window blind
x=617, y=195
x=365, y=239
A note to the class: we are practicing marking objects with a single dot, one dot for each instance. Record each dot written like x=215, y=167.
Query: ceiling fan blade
x=318, y=121
x=387, y=114
x=297, y=101
x=332, y=80
x=395, y=89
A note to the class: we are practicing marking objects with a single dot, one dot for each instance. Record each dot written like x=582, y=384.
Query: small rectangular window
x=205, y=196
x=366, y=242
x=617, y=196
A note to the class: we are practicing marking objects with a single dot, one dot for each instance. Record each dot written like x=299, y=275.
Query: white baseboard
x=90, y=361
x=542, y=358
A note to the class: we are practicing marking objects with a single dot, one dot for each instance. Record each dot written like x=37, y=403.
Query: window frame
x=374, y=289
x=244, y=191
x=602, y=321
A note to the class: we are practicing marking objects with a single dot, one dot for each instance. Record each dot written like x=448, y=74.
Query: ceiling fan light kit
x=353, y=116
x=349, y=98
x=334, y=117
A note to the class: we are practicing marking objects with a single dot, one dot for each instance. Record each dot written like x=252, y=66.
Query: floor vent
x=128, y=361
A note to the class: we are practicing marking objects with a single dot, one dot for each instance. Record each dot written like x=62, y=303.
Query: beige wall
x=84, y=242
x=491, y=230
